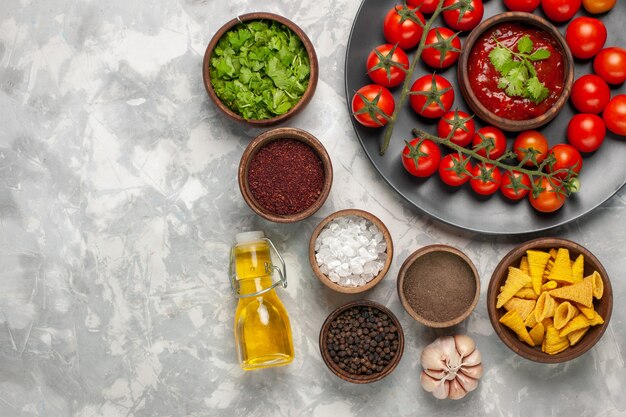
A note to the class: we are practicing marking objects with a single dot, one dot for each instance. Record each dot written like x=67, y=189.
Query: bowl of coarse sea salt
x=350, y=251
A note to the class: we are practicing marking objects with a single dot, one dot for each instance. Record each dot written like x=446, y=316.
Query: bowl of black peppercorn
x=361, y=342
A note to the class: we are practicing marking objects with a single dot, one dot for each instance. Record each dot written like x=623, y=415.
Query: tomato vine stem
x=406, y=86
x=532, y=173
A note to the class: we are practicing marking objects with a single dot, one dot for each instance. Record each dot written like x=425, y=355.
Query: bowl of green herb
x=260, y=68
x=516, y=71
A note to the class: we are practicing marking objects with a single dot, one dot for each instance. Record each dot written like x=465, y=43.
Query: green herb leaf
x=536, y=90
x=540, y=54
x=500, y=57
x=525, y=44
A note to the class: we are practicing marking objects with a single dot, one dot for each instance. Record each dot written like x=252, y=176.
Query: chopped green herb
x=518, y=74
x=259, y=69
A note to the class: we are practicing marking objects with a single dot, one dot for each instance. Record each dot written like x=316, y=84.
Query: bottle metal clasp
x=270, y=268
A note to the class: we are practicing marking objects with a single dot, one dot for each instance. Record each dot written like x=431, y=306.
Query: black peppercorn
x=362, y=341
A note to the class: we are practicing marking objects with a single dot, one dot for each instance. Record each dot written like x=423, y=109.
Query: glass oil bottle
x=262, y=329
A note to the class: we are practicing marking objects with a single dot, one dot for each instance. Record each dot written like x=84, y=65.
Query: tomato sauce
x=484, y=77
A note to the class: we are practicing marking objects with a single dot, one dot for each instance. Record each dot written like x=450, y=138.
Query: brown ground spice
x=286, y=176
x=439, y=286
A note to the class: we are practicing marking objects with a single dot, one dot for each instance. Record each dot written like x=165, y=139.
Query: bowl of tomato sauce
x=516, y=71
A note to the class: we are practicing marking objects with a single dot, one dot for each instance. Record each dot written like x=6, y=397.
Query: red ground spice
x=286, y=176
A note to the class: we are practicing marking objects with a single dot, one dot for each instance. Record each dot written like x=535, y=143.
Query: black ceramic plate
x=603, y=172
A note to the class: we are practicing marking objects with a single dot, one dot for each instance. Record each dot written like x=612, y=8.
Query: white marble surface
x=119, y=202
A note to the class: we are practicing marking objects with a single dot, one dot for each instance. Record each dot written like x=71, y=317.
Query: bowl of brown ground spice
x=285, y=175
x=438, y=286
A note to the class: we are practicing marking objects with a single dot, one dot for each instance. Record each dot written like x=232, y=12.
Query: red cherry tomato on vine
x=463, y=135
x=387, y=65
x=515, y=185
x=566, y=157
x=615, y=115
x=403, y=26
x=531, y=139
x=421, y=157
x=431, y=96
x=610, y=65
x=443, y=47
x=522, y=5
x=586, y=132
x=486, y=179
x=590, y=94
x=560, y=10
x=496, y=136
x=547, y=200
x=425, y=6
x=376, y=115
x=585, y=37
x=455, y=170
x=466, y=17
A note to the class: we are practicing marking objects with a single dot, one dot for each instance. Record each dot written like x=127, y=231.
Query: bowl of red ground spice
x=285, y=175
x=438, y=286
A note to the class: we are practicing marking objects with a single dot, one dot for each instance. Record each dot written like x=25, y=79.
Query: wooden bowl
x=603, y=306
x=346, y=376
x=324, y=278
x=459, y=257
x=314, y=68
x=479, y=109
x=278, y=134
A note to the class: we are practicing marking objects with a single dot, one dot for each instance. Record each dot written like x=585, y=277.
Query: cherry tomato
x=442, y=48
x=387, y=65
x=522, y=5
x=547, y=200
x=586, y=132
x=590, y=94
x=610, y=64
x=403, y=26
x=496, y=136
x=463, y=135
x=515, y=185
x=566, y=157
x=598, y=6
x=431, y=96
x=560, y=10
x=531, y=139
x=466, y=17
x=421, y=157
x=425, y=6
x=486, y=179
x=585, y=37
x=455, y=170
x=615, y=115
x=367, y=112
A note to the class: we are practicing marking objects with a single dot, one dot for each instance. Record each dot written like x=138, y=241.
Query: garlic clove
x=473, y=359
x=432, y=358
x=468, y=383
x=442, y=391
x=464, y=345
x=456, y=390
x=448, y=349
x=474, y=372
x=436, y=373
x=429, y=383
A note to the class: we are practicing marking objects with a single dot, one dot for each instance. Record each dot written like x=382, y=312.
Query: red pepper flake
x=286, y=176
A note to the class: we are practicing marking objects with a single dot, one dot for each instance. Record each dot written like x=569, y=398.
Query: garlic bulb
x=452, y=367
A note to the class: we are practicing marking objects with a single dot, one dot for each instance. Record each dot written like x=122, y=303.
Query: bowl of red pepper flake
x=285, y=175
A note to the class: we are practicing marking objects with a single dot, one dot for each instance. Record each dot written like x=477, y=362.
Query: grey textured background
x=119, y=203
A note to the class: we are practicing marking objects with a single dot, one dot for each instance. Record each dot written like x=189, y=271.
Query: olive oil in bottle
x=262, y=329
